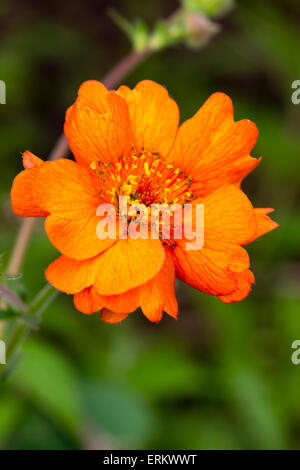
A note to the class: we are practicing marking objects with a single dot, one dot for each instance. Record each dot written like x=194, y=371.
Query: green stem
x=21, y=329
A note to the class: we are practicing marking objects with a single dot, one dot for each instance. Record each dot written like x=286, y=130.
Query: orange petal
x=71, y=276
x=158, y=294
x=31, y=161
x=244, y=281
x=76, y=238
x=85, y=302
x=127, y=302
x=128, y=264
x=154, y=297
x=112, y=317
x=212, y=148
x=228, y=216
x=93, y=136
x=211, y=270
x=154, y=116
x=22, y=200
x=66, y=189
x=264, y=223
x=124, y=266
x=93, y=95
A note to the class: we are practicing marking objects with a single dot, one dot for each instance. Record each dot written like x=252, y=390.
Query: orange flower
x=128, y=143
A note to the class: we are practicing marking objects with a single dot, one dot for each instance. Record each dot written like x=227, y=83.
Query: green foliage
x=208, y=7
x=188, y=25
x=48, y=378
x=119, y=411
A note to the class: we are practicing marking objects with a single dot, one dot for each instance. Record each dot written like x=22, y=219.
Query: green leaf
x=49, y=379
x=10, y=412
x=261, y=422
x=119, y=411
x=165, y=371
x=136, y=32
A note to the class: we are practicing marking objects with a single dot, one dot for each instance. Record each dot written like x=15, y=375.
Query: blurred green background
x=220, y=377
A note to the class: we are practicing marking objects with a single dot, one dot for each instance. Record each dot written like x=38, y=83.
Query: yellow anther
x=127, y=188
x=132, y=179
x=146, y=168
x=93, y=165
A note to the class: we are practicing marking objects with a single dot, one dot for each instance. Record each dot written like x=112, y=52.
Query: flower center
x=145, y=179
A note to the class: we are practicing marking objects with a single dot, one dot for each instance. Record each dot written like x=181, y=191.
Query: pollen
x=144, y=178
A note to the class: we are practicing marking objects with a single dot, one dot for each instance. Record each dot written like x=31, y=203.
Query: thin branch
x=11, y=298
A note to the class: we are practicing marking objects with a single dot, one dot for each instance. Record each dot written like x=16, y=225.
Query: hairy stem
x=21, y=330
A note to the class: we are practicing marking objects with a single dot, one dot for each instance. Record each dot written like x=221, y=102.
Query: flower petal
x=158, y=294
x=126, y=302
x=264, y=223
x=93, y=136
x=71, y=276
x=22, y=200
x=31, y=161
x=124, y=266
x=76, y=238
x=109, y=316
x=85, y=302
x=211, y=270
x=93, y=94
x=244, y=282
x=154, y=116
x=128, y=264
x=212, y=148
x=228, y=216
x=66, y=189
x=154, y=297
